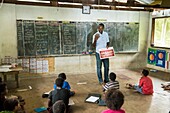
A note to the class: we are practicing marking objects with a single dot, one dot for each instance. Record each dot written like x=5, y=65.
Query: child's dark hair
x=10, y=104
x=59, y=107
x=112, y=76
x=114, y=99
x=62, y=75
x=59, y=82
x=2, y=88
x=145, y=72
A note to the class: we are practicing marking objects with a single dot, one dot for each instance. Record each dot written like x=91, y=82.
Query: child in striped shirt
x=113, y=83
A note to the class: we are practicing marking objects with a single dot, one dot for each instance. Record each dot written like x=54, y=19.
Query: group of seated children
x=114, y=98
x=9, y=105
x=66, y=85
x=59, y=97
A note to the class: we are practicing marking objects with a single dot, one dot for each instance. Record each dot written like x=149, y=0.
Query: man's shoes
x=106, y=81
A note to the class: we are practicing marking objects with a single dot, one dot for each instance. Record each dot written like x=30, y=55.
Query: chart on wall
x=59, y=38
x=151, y=56
x=168, y=61
x=159, y=58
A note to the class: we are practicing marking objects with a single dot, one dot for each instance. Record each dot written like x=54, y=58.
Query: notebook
x=93, y=98
x=40, y=109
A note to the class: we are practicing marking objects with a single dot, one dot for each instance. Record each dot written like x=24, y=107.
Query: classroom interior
x=82, y=67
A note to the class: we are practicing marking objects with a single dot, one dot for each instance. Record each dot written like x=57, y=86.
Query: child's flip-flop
x=129, y=86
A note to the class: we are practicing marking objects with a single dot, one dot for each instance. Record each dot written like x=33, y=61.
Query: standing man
x=100, y=41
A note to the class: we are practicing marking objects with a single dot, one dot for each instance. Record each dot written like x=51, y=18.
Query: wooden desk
x=13, y=71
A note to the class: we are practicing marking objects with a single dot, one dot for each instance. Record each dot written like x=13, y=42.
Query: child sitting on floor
x=58, y=94
x=59, y=107
x=113, y=82
x=3, y=98
x=114, y=101
x=11, y=106
x=66, y=85
x=145, y=84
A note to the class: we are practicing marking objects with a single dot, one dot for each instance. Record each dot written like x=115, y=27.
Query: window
x=161, y=32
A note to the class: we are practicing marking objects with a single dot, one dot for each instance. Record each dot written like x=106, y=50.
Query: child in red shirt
x=145, y=84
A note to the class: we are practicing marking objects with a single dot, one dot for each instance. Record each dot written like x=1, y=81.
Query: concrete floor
x=159, y=102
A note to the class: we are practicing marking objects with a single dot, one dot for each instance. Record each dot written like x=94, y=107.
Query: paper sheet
x=4, y=69
x=71, y=102
x=48, y=92
x=79, y=83
x=6, y=66
x=92, y=99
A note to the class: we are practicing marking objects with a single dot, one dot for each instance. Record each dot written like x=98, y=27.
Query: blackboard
x=69, y=38
x=29, y=38
x=53, y=38
x=20, y=44
x=41, y=33
x=57, y=37
x=130, y=39
x=123, y=36
x=84, y=36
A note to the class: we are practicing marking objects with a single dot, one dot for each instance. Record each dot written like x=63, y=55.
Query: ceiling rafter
x=112, y=5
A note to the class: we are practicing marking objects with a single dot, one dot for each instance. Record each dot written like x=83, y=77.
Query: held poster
x=106, y=53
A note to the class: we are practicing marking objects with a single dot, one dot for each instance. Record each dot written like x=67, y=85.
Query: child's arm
x=141, y=82
x=66, y=85
x=49, y=103
x=55, y=86
x=50, y=99
x=105, y=87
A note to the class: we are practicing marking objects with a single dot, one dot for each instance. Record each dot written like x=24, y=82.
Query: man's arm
x=107, y=40
x=96, y=36
x=107, y=45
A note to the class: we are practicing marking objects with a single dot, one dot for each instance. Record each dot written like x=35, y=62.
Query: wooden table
x=13, y=71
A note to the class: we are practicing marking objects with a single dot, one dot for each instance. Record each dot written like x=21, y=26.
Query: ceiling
x=98, y=4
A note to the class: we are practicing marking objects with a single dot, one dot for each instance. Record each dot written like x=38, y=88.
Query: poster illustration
x=160, y=58
x=152, y=56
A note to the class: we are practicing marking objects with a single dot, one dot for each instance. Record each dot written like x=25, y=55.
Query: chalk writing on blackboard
x=53, y=37
x=29, y=37
x=41, y=32
x=20, y=44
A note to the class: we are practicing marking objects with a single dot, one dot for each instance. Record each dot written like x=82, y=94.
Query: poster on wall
x=168, y=61
x=151, y=56
x=160, y=58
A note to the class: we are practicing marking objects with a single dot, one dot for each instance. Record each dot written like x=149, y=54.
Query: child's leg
x=139, y=89
x=72, y=93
